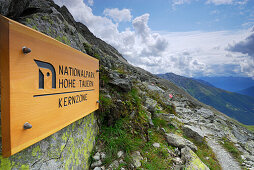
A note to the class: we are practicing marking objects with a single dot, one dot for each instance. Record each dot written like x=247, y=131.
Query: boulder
x=124, y=84
x=155, y=88
x=156, y=145
x=150, y=104
x=193, y=132
x=191, y=160
x=114, y=165
x=96, y=164
x=97, y=168
x=120, y=154
x=96, y=156
x=177, y=161
x=178, y=141
x=136, y=157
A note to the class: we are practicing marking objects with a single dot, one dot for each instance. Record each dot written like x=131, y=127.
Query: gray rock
x=107, y=96
x=156, y=145
x=96, y=156
x=178, y=141
x=193, y=132
x=136, y=157
x=150, y=104
x=177, y=161
x=120, y=154
x=96, y=164
x=240, y=136
x=123, y=84
x=103, y=155
x=114, y=165
x=191, y=160
x=121, y=161
x=97, y=168
x=155, y=88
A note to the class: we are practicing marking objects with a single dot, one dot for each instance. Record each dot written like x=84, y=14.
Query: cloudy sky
x=187, y=37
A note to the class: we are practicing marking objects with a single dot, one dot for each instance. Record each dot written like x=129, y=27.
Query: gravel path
x=227, y=162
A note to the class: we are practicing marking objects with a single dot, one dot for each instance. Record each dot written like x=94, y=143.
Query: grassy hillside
x=237, y=106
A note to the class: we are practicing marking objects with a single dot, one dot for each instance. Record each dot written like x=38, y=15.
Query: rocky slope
x=140, y=126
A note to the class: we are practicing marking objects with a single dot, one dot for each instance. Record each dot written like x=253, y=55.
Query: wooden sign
x=45, y=85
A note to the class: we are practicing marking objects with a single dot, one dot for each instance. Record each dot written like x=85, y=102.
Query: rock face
x=192, y=161
x=69, y=147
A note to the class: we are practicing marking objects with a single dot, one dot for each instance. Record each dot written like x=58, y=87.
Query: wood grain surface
x=50, y=108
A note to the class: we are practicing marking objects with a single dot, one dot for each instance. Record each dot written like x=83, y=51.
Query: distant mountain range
x=237, y=106
x=233, y=84
x=249, y=91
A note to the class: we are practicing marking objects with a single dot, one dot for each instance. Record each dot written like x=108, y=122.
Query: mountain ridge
x=248, y=91
x=240, y=107
x=232, y=84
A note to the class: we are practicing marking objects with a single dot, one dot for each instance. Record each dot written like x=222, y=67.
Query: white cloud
x=118, y=15
x=215, y=12
x=227, y=2
x=215, y=2
x=180, y=2
x=184, y=53
x=219, y=2
x=90, y=2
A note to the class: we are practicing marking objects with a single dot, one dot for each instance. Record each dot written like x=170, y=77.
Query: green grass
x=35, y=27
x=64, y=40
x=90, y=51
x=158, y=122
x=250, y=127
x=205, y=151
x=231, y=148
x=157, y=158
x=29, y=20
x=117, y=138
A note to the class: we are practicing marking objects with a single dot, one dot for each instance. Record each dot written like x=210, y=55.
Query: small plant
x=90, y=51
x=63, y=40
x=158, y=122
x=29, y=20
x=231, y=148
x=45, y=17
x=35, y=27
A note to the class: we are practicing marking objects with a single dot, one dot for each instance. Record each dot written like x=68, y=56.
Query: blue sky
x=189, y=16
x=186, y=37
